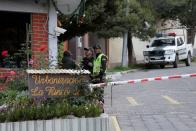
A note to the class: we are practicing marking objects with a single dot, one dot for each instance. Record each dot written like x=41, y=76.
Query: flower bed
x=19, y=106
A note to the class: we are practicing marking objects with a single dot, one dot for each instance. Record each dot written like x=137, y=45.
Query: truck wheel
x=175, y=64
x=188, y=60
x=162, y=66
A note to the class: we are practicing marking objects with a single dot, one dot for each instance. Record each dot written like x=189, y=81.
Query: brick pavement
x=153, y=112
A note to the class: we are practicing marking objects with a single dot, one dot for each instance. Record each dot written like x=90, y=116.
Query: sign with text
x=55, y=85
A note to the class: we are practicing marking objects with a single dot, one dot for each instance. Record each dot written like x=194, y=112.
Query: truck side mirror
x=147, y=46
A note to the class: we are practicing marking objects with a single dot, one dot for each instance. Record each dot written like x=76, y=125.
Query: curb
x=115, y=123
x=114, y=75
x=124, y=72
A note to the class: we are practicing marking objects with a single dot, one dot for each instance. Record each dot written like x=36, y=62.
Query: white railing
x=76, y=124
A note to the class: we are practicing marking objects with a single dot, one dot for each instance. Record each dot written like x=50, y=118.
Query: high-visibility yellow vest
x=97, y=64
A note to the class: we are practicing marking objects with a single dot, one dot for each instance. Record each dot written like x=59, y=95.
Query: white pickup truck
x=168, y=49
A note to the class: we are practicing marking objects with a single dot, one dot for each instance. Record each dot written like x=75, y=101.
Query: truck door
x=181, y=49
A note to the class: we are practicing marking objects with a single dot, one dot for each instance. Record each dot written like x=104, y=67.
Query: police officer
x=99, y=72
x=87, y=61
x=99, y=65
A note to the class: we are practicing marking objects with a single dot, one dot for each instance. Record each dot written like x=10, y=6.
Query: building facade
x=28, y=24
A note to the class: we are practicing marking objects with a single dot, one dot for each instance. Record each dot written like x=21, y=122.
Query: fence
x=78, y=124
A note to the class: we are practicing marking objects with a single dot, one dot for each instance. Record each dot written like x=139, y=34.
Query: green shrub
x=3, y=116
x=19, y=84
x=10, y=96
x=2, y=98
x=21, y=107
x=60, y=52
x=87, y=110
x=26, y=109
x=93, y=110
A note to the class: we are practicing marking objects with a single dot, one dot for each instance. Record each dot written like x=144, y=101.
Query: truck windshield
x=163, y=42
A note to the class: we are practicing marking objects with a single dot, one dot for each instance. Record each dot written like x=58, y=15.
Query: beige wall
x=179, y=32
x=139, y=46
x=115, y=51
x=195, y=43
x=172, y=26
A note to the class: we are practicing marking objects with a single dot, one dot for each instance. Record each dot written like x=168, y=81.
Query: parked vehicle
x=168, y=49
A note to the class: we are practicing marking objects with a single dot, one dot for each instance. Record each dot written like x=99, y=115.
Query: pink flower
x=12, y=73
x=46, y=59
x=4, y=53
x=42, y=48
x=31, y=62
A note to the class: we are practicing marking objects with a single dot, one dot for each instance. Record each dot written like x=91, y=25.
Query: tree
x=107, y=18
x=117, y=22
x=182, y=10
x=88, y=18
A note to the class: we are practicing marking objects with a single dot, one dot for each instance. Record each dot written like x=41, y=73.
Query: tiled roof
x=57, y=71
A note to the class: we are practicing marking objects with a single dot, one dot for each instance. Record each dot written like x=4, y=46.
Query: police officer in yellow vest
x=99, y=65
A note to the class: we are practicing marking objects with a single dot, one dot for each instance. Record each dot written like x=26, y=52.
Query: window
x=163, y=42
x=13, y=38
x=180, y=42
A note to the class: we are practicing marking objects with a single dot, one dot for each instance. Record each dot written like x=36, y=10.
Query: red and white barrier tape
x=143, y=80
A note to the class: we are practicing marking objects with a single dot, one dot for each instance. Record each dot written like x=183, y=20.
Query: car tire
x=188, y=60
x=175, y=64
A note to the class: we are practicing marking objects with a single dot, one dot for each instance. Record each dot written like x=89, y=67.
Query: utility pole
x=124, y=62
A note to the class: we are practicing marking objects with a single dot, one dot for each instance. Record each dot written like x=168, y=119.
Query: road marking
x=132, y=101
x=172, y=101
x=115, y=123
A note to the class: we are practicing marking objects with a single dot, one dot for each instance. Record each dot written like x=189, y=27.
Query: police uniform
x=99, y=73
x=99, y=68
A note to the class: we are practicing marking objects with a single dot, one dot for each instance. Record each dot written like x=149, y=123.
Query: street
x=166, y=105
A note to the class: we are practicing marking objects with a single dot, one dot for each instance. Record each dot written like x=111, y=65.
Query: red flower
x=13, y=73
x=4, y=53
x=42, y=48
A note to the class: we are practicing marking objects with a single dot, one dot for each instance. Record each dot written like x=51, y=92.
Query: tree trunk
x=191, y=36
x=131, y=54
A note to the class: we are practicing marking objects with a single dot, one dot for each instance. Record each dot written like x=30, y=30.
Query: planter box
x=78, y=124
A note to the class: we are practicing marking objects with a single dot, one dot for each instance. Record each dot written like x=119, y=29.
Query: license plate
x=156, y=58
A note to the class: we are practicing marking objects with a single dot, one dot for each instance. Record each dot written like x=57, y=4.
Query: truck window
x=179, y=42
x=163, y=42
